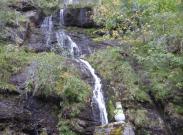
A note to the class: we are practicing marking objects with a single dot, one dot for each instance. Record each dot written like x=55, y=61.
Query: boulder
x=37, y=41
x=80, y=17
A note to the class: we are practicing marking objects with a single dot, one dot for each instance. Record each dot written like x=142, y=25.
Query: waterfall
x=69, y=47
x=66, y=45
x=97, y=91
x=47, y=27
x=47, y=24
x=62, y=16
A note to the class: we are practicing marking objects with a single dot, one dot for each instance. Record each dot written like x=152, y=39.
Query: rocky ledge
x=115, y=128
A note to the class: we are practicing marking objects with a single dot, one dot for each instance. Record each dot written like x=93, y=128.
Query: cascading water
x=47, y=24
x=62, y=16
x=97, y=93
x=66, y=44
x=47, y=27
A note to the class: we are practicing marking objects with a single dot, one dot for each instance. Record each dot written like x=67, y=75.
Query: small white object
x=119, y=115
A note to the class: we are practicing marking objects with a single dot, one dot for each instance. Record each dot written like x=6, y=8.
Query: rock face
x=81, y=17
x=26, y=116
x=18, y=31
x=116, y=128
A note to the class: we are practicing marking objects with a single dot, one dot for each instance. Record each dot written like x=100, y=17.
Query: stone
x=26, y=116
x=80, y=17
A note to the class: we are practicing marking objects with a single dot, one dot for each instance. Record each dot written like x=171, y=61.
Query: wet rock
x=14, y=115
x=10, y=110
x=81, y=17
x=86, y=44
x=26, y=116
x=37, y=41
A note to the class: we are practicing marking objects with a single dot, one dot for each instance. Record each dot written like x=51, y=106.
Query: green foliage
x=110, y=109
x=151, y=6
x=49, y=75
x=7, y=15
x=121, y=16
x=12, y=60
x=47, y=6
x=64, y=127
x=158, y=25
x=165, y=69
x=76, y=90
x=112, y=16
x=141, y=117
x=115, y=69
x=43, y=73
x=174, y=110
x=179, y=109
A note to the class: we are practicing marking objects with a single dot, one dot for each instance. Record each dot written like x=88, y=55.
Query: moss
x=110, y=129
x=110, y=110
x=116, y=131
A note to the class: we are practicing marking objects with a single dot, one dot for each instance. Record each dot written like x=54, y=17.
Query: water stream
x=71, y=49
x=62, y=16
x=97, y=93
x=47, y=27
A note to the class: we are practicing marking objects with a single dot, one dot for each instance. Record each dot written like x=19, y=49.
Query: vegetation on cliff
x=143, y=68
x=148, y=63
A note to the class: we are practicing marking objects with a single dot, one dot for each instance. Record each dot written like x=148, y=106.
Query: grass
x=49, y=74
x=115, y=69
x=12, y=61
x=122, y=79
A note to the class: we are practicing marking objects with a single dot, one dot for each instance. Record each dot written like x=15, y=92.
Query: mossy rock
x=116, y=128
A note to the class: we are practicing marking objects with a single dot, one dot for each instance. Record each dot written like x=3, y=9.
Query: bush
x=131, y=15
